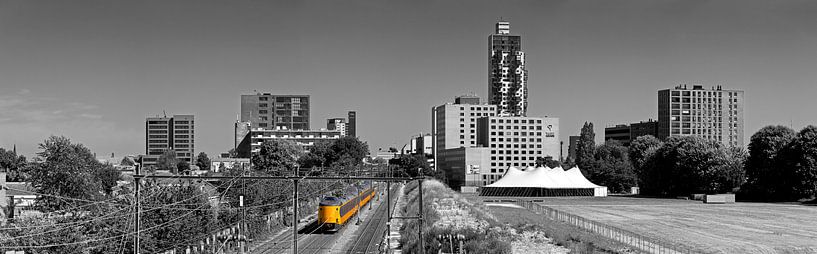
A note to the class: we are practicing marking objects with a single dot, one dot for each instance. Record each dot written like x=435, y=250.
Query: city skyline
x=92, y=74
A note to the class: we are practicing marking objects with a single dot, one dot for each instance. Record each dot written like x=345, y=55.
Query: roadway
x=364, y=238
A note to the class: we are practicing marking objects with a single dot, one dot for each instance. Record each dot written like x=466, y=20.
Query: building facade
x=424, y=144
x=713, y=114
x=619, y=132
x=338, y=124
x=251, y=143
x=572, y=144
x=351, y=125
x=507, y=74
x=643, y=129
x=465, y=166
x=455, y=125
x=517, y=142
x=627, y=133
x=264, y=110
x=163, y=133
x=241, y=130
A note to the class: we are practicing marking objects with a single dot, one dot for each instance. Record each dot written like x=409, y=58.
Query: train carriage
x=334, y=212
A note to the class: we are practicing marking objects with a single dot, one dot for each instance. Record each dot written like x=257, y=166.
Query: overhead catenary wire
x=96, y=240
x=63, y=227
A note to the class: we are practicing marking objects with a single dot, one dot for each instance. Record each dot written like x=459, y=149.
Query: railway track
x=312, y=240
x=372, y=231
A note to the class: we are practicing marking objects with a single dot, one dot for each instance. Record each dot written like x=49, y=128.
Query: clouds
x=23, y=107
x=27, y=118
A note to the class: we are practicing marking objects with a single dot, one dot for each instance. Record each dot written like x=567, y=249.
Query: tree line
x=779, y=165
x=84, y=206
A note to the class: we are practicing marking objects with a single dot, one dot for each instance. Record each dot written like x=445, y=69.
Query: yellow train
x=334, y=212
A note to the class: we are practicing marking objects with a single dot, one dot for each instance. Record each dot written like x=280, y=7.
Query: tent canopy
x=543, y=181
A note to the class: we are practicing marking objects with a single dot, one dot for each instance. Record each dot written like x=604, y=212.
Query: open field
x=726, y=228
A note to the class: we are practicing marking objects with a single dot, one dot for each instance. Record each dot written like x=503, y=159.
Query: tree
x=586, y=146
x=800, y=160
x=641, y=152
x=320, y=155
x=167, y=161
x=412, y=165
x=276, y=156
x=183, y=167
x=351, y=147
x=127, y=161
x=67, y=175
x=686, y=165
x=547, y=161
x=190, y=217
x=14, y=165
x=611, y=167
x=765, y=166
x=202, y=161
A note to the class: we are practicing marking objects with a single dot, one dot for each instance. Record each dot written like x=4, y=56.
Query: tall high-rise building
x=507, y=76
x=275, y=111
x=351, y=124
x=338, y=124
x=714, y=114
x=163, y=133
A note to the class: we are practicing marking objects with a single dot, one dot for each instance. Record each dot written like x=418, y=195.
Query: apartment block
x=163, y=133
x=265, y=110
x=715, y=114
x=252, y=141
x=507, y=74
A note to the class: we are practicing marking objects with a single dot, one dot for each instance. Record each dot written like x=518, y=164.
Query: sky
x=92, y=70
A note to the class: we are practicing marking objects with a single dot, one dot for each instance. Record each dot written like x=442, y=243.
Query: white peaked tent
x=543, y=182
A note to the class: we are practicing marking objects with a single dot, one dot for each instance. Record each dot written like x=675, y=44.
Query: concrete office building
x=517, y=142
x=338, y=124
x=619, y=132
x=265, y=110
x=642, y=128
x=714, y=114
x=627, y=133
x=465, y=166
x=454, y=125
x=507, y=75
x=252, y=141
x=163, y=133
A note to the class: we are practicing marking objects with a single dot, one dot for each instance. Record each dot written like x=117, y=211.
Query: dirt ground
x=725, y=228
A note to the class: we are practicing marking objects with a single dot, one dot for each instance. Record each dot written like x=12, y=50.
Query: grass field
x=726, y=228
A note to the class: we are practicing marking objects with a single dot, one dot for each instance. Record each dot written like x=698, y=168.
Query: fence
x=635, y=241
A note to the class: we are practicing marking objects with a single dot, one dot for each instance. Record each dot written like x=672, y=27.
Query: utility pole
x=138, y=207
x=242, y=240
x=420, y=228
x=388, y=213
x=295, y=213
